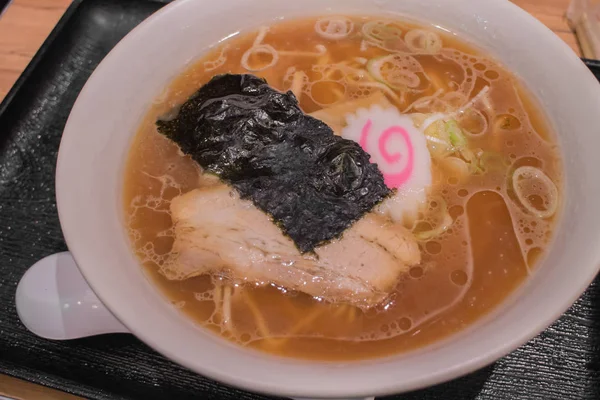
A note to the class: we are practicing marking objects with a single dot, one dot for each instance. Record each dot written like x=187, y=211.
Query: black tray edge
x=591, y=63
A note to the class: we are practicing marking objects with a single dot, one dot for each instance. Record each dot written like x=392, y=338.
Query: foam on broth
x=467, y=271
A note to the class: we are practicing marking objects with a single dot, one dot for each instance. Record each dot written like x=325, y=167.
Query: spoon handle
x=55, y=302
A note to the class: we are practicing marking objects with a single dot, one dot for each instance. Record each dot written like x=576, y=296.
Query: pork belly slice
x=216, y=232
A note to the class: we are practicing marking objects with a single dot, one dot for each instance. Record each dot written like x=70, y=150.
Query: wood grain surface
x=26, y=23
x=21, y=390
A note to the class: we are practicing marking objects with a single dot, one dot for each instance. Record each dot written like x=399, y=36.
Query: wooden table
x=25, y=25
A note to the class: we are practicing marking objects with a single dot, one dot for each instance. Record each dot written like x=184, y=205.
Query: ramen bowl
x=105, y=118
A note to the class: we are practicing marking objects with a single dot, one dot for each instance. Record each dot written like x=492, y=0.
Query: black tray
x=561, y=363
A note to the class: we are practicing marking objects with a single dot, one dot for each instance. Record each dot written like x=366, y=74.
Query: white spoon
x=55, y=302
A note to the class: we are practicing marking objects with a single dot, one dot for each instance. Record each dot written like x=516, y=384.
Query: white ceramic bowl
x=106, y=116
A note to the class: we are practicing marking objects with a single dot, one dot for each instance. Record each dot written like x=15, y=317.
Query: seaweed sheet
x=290, y=165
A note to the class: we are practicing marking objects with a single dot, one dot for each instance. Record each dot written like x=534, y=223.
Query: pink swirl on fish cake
x=393, y=180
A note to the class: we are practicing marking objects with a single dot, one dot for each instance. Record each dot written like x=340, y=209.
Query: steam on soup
x=384, y=186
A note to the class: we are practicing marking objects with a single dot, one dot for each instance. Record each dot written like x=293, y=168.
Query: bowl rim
x=69, y=226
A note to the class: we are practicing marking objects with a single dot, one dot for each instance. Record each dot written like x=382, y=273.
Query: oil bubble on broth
x=480, y=228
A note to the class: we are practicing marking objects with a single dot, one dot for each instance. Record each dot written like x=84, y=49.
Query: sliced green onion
x=442, y=227
x=437, y=140
x=472, y=160
x=491, y=161
x=536, y=191
x=398, y=78
x=441, y=216
x=437, y=130
x=419, y=119
x=374, y=68
x=445, y=138
x=379, y=31
x=421, y=41
x=457, y=138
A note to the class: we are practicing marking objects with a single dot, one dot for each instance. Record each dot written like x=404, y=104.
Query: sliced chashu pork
x=218, y=233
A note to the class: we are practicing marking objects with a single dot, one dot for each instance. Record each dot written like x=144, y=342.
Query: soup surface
x=480, y=229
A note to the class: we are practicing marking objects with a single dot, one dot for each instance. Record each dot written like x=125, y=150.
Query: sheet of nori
x=313, y=183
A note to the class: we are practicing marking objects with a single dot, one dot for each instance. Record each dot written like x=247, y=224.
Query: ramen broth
x=467, y=270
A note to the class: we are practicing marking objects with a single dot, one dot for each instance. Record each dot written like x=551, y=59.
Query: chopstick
x=584, y=34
